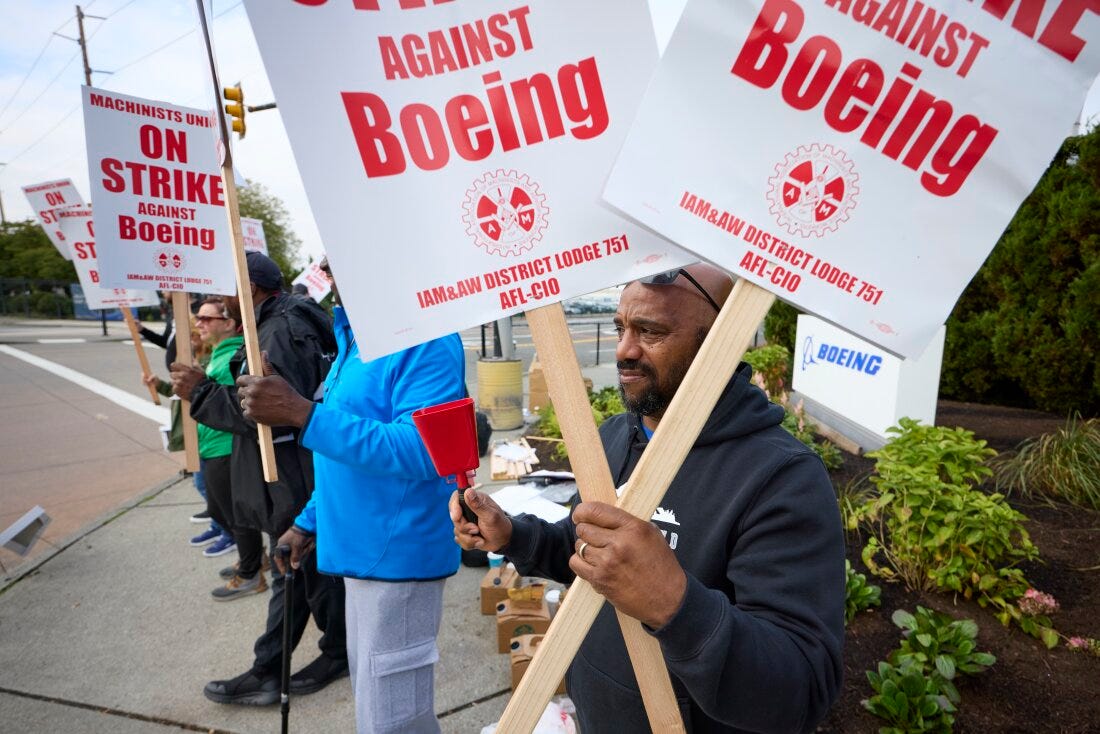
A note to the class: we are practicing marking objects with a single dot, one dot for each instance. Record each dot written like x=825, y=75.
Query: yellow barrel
x=500, y=392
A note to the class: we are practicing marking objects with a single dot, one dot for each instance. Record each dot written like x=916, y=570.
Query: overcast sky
x=153, y=51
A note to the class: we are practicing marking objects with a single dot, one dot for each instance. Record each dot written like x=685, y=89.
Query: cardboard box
x=538, y=396
x=495, y=585
x=518, y=619
x=522, y=649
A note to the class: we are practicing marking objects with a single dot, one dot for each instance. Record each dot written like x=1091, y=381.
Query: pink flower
x=1077, y=643
x=1034, y=603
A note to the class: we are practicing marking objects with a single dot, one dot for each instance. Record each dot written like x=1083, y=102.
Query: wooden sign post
x=181, y=312
x=135, y=335
x=708, y=376
x=240, y=264
x=566, y=386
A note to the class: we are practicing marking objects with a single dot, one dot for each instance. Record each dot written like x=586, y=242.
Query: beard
x=659, y=391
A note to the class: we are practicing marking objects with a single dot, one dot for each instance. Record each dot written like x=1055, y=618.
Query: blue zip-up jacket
x=378, y=509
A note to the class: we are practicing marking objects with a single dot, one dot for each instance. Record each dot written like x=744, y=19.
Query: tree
x=283, y=244
x=1027, y=329
x=26, y=252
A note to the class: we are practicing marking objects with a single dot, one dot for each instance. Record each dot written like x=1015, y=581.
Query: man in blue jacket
x=378, y=514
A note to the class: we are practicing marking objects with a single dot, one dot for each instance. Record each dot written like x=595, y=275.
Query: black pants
x=219, y=491
x=219, y=502
x=314, y=593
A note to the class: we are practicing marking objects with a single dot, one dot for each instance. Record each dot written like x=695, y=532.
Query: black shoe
x=317, y=675
x=254, y=688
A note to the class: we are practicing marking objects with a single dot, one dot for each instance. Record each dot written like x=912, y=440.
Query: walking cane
x=283, y=551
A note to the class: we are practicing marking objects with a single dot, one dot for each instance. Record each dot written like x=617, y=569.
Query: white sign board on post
x=77, y=227
x=859, y=159
x=864, y=383
x=46, y=198
x=252, y=230
x=315, y=280
x=159, y=198
x=470, y=141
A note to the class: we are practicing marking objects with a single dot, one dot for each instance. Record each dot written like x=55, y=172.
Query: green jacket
x=212, y=443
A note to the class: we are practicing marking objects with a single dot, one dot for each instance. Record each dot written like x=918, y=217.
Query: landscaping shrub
x=1027, y=329
x=934, y=530
x=773, y=364
x=1064, y=465
x=859, y=594
x=605, y=403
x=796, y=423
x=941, y=645
x=908, y=700
x=781, y=325
x=915, y=689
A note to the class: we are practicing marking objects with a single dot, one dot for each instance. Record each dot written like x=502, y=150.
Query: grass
x=1062, y=466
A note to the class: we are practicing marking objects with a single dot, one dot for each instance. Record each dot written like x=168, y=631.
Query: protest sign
x=79, y=232
x=76, y=225
x=159, y=197
x=453, y=153
x=857, y=158
x=315, y=280
x=253, y=232
x=46, y=198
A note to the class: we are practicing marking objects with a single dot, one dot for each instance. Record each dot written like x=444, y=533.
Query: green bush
x=1027, y=329
x=605, y=403
x=908, y=700
x=1064, y=465
x=773, y=364
x=941, y=646
x=859, y=594
x=781, y=325
x=934, y=530
x=51, y=305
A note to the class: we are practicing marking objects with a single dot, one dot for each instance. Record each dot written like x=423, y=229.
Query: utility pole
x=83, y=41
x=83, y=46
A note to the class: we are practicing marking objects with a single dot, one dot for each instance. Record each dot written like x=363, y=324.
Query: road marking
x=61, y=341
x=123, y=399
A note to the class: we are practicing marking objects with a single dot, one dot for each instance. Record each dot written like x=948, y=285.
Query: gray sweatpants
x=392, y=653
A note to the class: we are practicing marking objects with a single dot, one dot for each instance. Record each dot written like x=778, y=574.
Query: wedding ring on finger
x=580, y=551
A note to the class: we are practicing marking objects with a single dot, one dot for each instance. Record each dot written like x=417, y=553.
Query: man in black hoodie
x=740, y=574
x=298, y=344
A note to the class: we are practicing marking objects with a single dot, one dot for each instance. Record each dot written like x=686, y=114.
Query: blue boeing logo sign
x=852, y=359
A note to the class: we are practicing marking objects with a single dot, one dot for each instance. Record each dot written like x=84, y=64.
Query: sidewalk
x=116, y=632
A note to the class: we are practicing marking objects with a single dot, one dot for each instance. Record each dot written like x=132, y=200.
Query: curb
x=24, y=570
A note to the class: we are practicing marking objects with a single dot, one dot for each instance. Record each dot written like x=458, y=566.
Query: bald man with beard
x=739, y=574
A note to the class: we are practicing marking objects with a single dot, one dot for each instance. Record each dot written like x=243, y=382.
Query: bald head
x=662, y=321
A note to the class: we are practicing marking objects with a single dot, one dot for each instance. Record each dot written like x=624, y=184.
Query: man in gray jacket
x=740, y=574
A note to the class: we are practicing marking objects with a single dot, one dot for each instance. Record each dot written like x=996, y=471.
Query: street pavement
x=109, y=626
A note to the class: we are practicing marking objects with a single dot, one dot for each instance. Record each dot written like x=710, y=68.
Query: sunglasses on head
x=669, y=277
x=204, y=319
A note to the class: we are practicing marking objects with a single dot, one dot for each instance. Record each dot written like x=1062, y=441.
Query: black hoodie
x=753, y=520
x=297, y=337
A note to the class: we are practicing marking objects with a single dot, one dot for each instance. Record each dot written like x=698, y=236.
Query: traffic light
x=236, y=110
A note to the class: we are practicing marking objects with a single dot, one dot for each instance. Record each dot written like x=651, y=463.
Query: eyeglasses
x=204, y=319
x=669, y=277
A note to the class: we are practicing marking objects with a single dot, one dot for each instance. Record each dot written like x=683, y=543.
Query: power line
x=77, y=106
x=40, y=94
x=175, y=40
x=46, y=134
x=56, y=77
x=27, y=76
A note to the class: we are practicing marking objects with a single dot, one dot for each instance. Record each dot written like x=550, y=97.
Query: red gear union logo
x=813, y=190
x=505, y=213
x=169, y=260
